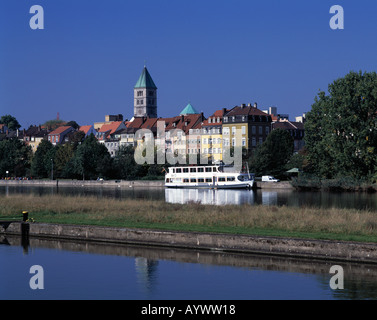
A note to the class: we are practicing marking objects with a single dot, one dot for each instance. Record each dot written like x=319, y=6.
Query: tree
x=341, y=128
x=15, y=158
x=73, y=124
x=124, y=164
x=92, y=160
x=273, y=154
x=63, y=157
x=41, y=164
x=10, y=121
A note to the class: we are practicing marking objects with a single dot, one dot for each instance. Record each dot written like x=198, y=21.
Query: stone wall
x=318, y=249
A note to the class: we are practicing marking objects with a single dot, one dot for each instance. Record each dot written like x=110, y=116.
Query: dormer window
x=218, y=119
x=209, y=120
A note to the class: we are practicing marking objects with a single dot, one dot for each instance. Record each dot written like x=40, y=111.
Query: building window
x=243, y=142
x=243, y=130
x=267, y=130
x=225, y=119
x=233, y=142
x=260, y=130
x=260, y=140
x=140, y=93
x=233, y=130
x=253, y=130
x=253, y=142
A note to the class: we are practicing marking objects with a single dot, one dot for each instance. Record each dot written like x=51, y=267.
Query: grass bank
x=331, y=224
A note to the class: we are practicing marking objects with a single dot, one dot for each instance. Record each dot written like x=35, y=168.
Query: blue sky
x=211, y=53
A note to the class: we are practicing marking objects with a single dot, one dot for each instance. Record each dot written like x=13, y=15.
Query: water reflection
x=146, y=272
x=139, y=272
x=270, y=197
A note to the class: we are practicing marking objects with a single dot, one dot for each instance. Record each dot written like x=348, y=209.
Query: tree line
x=88, y=160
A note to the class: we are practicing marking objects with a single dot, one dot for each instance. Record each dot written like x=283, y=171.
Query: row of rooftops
x=188, y=119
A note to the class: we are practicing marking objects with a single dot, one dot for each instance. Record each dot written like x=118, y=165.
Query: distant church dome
x=189, y=109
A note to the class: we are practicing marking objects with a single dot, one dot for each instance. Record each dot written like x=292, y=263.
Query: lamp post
x=7, y=172
x=52, y=169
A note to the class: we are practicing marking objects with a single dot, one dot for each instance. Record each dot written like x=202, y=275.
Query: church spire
x=145, y=96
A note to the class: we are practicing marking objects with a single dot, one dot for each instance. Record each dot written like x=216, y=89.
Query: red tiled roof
x=246, y=110
x=60, y=130
x=185, y=123
x=149, y=123
x=111, y=128
x=136, y=123
x=288, y=125
x=217, y=114
x=85, y=129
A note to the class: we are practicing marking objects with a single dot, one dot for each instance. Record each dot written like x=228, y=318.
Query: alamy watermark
x=37, y=20
x=337, y=21
x=37, y=280
x=337, y=281
x=172, y=146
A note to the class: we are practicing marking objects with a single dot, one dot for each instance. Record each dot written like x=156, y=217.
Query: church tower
x=145, y=96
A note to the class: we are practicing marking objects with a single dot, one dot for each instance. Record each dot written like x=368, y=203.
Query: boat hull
x=210, y=186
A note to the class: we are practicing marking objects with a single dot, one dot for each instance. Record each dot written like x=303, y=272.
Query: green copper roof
x=188, y=110
x=145, y=80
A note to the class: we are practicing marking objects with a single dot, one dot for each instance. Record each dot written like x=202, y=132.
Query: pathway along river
x=272, y=197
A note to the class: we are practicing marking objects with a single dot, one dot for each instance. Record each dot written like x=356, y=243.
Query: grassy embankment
x=332, y=224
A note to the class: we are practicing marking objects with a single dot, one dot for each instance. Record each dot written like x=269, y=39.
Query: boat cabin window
x=178, y=170
x=185, y=180
x=167, y=180
x=200, y=169
x=208, y=179
x=192, y=180
x=201, y=180
x=185, y=170
x=222, y=179
x=230, y=179
x=209, y=169
x=192, y=169
x=243, y=178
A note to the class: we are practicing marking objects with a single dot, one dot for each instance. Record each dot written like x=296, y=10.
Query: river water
x=98, y=271
x=271, y=197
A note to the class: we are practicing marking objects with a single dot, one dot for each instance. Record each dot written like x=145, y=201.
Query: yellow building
x=212, y=136
x=251, y=124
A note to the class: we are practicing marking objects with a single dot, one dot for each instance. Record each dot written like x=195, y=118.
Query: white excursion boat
x=212, y=176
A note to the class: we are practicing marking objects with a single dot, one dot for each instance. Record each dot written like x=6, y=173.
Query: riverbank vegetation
x=332, y=224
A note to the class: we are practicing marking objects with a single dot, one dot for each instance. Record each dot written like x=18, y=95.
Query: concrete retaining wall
x=274, y=185
x=86, y=183
x=318, y=249
x=121, y=183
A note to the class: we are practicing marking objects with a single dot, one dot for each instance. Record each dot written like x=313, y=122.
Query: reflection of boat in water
x=209, y=196
x=208, y=177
